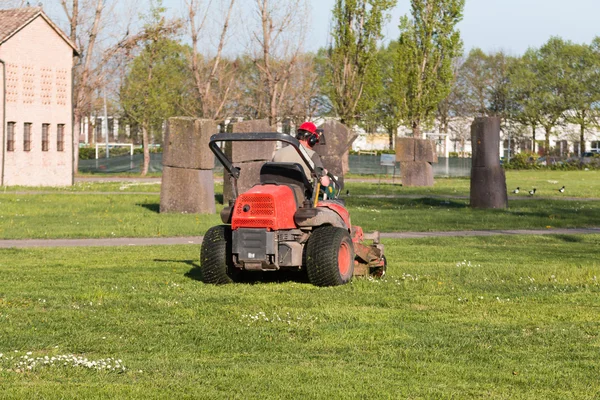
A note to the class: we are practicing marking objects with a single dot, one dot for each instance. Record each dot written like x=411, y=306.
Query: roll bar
x=255, y=137
x=234, y=172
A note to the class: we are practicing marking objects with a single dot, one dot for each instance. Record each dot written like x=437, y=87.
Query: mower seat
x=290, y=174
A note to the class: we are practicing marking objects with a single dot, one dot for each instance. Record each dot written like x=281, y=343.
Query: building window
x=595, y=146
x=60, y=137
x=27, y=136
x=45, y=133
x=10, y=136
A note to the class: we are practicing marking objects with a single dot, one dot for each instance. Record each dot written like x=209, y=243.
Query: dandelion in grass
x=30, y=363
x=262, y=318
x=468, y=264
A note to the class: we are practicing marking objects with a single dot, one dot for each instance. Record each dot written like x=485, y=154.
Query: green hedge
x=531, y=161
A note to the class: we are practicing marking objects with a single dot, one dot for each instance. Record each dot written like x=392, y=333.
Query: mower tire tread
x=215, y=257
x=322, y=252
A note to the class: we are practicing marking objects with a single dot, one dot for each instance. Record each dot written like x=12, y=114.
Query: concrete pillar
x=248, y=156
x=488, y=182
x=415, y=157
x=334, y=148
x=187, y=179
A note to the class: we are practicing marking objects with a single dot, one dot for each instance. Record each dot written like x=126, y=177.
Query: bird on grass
x=532, y=191
x=516, y=190
x=347, y=193
x=562, y=189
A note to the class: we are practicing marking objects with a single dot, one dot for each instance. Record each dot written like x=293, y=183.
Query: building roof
x=13, y=20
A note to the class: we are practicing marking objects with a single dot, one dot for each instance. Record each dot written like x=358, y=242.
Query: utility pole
x=105, y=122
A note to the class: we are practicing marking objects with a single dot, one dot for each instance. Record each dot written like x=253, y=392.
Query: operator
x=308, y=136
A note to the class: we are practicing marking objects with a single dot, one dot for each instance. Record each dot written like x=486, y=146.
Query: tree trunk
x=582, y=140
x=393, y=132
x=533, y=140
x=146, y=146
x=416, y=130
x=547, y=141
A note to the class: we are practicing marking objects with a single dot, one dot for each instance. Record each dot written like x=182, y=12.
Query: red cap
x=309, y=127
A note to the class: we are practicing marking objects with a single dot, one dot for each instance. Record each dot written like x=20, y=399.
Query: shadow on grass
x=253, y=278
x=445, y=203
x=154, y=207
x=569, y=238
x=388, y=203
x=586, y=214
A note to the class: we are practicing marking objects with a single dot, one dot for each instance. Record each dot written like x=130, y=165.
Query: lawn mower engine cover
x=264, y=234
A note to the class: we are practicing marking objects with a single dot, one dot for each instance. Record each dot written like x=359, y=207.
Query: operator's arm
x=316, y=159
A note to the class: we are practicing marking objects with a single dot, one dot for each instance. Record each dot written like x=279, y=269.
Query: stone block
x=416, y=173
x=338, y=139
x=488, y=187
x=335, y=165
x=239, y=152
x=485, y=139
x=186, y=143
x=249, y=176
x=425, y=150
x=405, y=149
x=185, y=190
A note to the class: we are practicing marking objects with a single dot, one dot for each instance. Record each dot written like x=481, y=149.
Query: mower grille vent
x=261, y=211
x=266, y=223
x=260, y=206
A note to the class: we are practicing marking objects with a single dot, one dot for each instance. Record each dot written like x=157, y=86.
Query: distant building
x=36, y=60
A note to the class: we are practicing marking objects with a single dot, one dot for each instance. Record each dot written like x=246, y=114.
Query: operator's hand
x=325, y=181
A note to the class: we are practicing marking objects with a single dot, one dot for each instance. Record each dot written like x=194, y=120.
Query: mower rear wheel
x=216, y=259
x=329, y=257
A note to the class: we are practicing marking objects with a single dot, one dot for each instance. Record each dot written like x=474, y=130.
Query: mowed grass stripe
x=497, y=317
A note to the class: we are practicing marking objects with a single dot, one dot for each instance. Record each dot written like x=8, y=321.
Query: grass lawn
x=493, y=317
x=136, y=215
x=80, y=214
x=83, y=187
x=583, y=184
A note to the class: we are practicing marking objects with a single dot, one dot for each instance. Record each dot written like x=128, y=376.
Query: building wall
x=38, y=79
x=2, y=128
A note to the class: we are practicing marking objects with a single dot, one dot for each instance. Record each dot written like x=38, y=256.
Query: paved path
x=25, y=243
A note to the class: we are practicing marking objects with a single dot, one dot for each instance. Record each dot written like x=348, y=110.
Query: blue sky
x=510, y=25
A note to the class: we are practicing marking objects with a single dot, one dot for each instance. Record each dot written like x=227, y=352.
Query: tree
x=582, y=91
x=213, y=77
x=551, y=85
x=278, y=40
x=387, y=110
x=158, y=81
x=428, y=44
x=524, y=99
x=84, y=36
x=356, y=32
x=483, y=80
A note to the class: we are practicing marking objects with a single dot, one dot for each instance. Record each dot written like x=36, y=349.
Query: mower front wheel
x=329, y=257
x=216, y=259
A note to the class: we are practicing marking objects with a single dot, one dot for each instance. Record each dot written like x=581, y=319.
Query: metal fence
x=359, y=164
x=370, y=165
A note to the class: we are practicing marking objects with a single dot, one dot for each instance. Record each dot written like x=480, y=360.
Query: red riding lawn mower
x=283, y=223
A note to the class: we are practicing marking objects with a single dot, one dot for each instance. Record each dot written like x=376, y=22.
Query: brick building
x=36, y=60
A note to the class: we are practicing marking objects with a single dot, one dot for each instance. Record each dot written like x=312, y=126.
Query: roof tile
x=12, y=20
